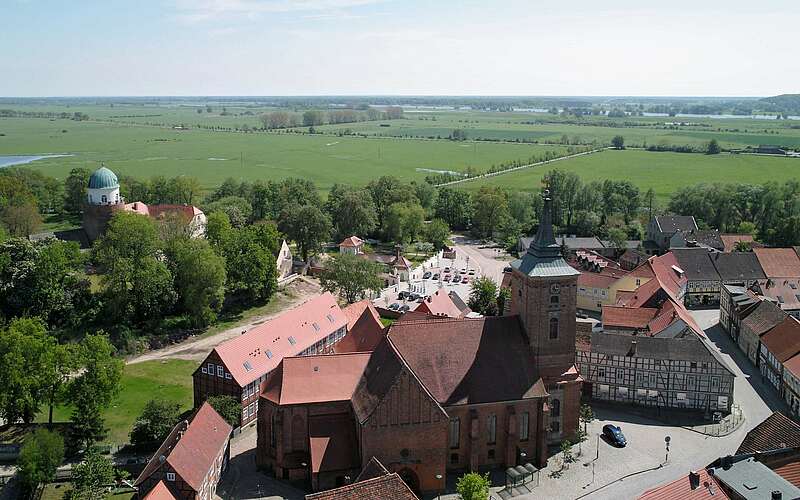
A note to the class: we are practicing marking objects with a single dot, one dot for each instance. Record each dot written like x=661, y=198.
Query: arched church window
x=554, y=299
x=553, y=328
x=555, y=410
x=104, y=199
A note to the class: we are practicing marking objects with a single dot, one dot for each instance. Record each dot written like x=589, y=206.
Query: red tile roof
x=263, y=347
x=779, y=262
x=439, y=303
x=628, y=317
x=596, y=280
x=192, y=448
x=708, y=488
x=352, y=242
x=729, y=240
x=401, y=262
x=332, y=443
x=364, y=328
x=158, y=211
x=316, y=379
x=775, y=432
x=790, y=472
x=466, y=361
x=793, y=366
x=160, y=492
x=783, y=341
x=389, y=487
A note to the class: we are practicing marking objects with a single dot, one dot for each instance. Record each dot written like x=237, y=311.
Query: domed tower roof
x=103, y=178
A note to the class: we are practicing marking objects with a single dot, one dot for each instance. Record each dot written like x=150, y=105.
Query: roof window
x=292, y=340
x=316, y=326
x=330, y=318
x=269, y=354
x=247, y=365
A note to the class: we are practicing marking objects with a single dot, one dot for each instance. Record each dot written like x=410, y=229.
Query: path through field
x=196, y=348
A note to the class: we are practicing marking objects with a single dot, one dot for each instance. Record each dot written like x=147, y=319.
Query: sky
x=399, y=47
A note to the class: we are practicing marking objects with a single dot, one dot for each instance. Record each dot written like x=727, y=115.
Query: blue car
x=614, y=435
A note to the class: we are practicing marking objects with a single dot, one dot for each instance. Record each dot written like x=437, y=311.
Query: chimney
x=776, y=495
x=694, y=479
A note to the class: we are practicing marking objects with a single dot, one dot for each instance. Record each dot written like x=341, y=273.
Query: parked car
x=465, y=280
x=614, y=435
x=413, y=296
x=427, y=275
x=394, y=307
x=582, y=315
x=435, y=276
x=447, y=269
x=472, y=272
x=456, y=279
x=597, y=327
x=447, y=277
x=507, y=269
x=463, y=270
x=405, y=308
x=403, y=294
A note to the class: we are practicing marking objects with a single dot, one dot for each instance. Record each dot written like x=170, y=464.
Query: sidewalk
x=689, y=420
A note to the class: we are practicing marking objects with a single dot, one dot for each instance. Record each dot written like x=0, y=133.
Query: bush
x=473, y=486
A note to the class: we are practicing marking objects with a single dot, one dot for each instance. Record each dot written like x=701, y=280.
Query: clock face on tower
x=554, y=288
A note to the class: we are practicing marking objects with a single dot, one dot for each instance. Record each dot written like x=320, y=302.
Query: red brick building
x=239, y=366
x=437, y=393
x=189, y=463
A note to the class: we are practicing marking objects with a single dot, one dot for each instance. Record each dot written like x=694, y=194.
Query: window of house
x=714, y=383
x=170, y=475
x=272, y=432
x=524, y=421
x=554, y=299
x=693, y=365
x=601, y=372
x=490, y=455
x=104, y=199
x=680, y=396
x=555, y=408
x=205, y=370
x=244, y=393
x=455, y=432
x=211, y=368
x=603, y=388
x=641, y=393
x=622, y=391
x=454, y=458
x=652, y=379
x=227, y=376
x=330, y=318
x=553, y=328
x=244, y=414
x=316, y=326
x=491, y=423
x=220, y=371
x=652, y=394
x=555, y=426
x=620, y=374
x=269, y=354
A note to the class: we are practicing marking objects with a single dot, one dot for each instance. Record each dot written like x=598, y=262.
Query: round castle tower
x=102, y=200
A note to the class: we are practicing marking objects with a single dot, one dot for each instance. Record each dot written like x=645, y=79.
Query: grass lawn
x=55, y=491
x=141, y=382
x=664, y=172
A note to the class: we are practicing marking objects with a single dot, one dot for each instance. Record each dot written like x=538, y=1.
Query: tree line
x=315, y=117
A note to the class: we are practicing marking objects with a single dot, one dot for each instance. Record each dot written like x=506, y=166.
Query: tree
x=250, y=267
x=713, y=147
x=489, y=209
x=228, y=407
x=218, y=229
x=94, y=389
x=473, y=486
x=92, y=478
x=483, y=296
x=154, y=424
x=352, y=211
x=21, y=355
x=617, y=237
x=40, y=455
x=199, y=279
x=586, y=416
x=236, y=208
x=618, y=142
x=404, y=222
x=385, y=191
x=75, y=186
x=313, y=117
x=138, y=285
x=308, y=227
x=351, y=277
x=743, y=246
x=437, y=233
x=454, y=207
x=566, y=452
x=22, y=219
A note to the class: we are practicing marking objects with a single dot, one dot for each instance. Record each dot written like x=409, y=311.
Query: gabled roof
x=696, y=263
x=707, y=238
x=785, y=291
x=374, y=468
x=263, y=347
x=332, y=443
x=779, y=262
x=596, y=280
x=439, y=303
x=733, y=266
x=752, y=480
x=628, y=317
x=763, y=318
x=673, y=223
x=401, y=262
x=792, y=365
x=468, y=361
x=160, y=492
x=729, y=240
x=159, y=211
x=364, y=328
x=783, y=341
x=351, y=242
x=390, y=486
x=192, y=447
x=706, y=487
x=775, y=432
x=316, y=379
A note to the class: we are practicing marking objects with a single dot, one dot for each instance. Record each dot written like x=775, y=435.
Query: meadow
x=663, y=172
x=212, y=156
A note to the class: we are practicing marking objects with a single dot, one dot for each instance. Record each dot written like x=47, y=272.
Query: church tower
x=544, y=295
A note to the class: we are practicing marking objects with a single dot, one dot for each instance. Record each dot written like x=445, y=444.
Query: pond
x=9, y=160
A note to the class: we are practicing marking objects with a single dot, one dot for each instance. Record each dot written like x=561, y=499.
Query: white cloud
x=200, y=10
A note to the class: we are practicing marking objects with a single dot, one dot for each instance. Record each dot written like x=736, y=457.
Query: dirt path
x=196, y=348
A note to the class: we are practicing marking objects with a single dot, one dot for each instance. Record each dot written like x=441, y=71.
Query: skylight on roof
x=316, y=327
x=247, y=365
x=330, y=318
x=780, y=299
x=292, y=340
x=269, y=354
x=793, y=286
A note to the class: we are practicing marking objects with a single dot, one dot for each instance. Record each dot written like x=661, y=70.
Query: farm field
x=144, y=151
x=664, y=172
x=170, y=380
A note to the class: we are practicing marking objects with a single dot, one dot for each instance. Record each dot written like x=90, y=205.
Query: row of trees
x=314, y=117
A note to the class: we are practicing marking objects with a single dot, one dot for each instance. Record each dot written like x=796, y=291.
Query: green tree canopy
x=473, y=486
x=199, y=279
x=352, y=211
x=308, y=227
x=437, y=233
x=41, y=454
x=351, y=277
x=713, y=147
x=454, y=207
x=75, y=186
x=228, y=407
x=154, y=424
x=618, y=142
x=483, y=296
x=92, y=478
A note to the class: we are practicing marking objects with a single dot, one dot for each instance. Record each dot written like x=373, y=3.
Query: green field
x=143, y=151
x=664, y=172
x=170, y=380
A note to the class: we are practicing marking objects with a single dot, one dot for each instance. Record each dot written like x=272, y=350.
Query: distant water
x=721, y=117
x=9, y=160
